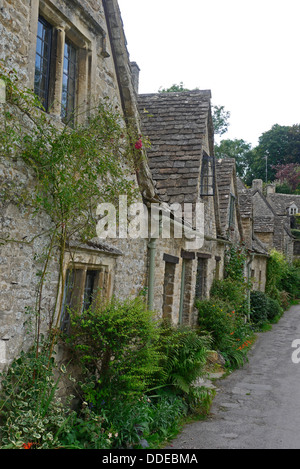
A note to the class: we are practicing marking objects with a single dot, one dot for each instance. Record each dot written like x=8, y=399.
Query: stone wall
x=22, y=258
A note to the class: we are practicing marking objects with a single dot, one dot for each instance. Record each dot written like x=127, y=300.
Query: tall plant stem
x=40, y=295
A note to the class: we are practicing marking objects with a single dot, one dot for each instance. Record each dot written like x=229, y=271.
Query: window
x=207, y=185
x=63, y=67
x=201, y=277
x=84, y=286
x=42, y=61
x=169, y=285
x=231, y=211
x=69, y=83
x=293, y=210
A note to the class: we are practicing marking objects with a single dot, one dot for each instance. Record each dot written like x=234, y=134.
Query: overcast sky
x=246, y=52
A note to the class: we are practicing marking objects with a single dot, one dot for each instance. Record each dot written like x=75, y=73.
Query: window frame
x=74, y=290
x=207, y=178
x=64, y=31
x=232, y=208
x=68, y=115
x=45, y=99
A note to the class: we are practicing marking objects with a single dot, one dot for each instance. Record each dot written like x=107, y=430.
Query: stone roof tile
x=175, y=124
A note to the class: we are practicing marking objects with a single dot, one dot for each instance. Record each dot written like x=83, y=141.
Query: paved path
x=257, y=406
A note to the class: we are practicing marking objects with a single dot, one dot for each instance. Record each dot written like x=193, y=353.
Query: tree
x=278, y=146
x=289, y=175
x=173, y=89
x=238, y=149
x=220, y=120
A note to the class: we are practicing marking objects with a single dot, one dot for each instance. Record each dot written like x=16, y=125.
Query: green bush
x=129, y=421
x=184, y=351
x=274, y=310
x=231, y=335
x=263, y=308
x=118, y=346
x=214, y=317
x=282, y=276
x=290, y=281
x=258, y=305
x=30, y=411
x=231, y=292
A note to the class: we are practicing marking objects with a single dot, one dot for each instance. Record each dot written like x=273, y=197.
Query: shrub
x=30, y=412
x=184, y=351
x=230, y=291
x=231, y=335
x=290, y=281
x=258, y=304
x=263, y=308
x=282, y=276
x=129, y=421
x=274, y=310
x=118, y=346
x=214, y=317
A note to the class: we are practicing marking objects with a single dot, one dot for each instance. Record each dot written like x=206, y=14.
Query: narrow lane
x=257, y=406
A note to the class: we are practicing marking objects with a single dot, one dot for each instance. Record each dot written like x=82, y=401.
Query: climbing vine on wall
x=235, y=259
x=74, y=168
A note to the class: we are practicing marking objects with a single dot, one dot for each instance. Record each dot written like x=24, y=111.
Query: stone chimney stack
x=135, y=73
x=271, y=189
x=257, y=184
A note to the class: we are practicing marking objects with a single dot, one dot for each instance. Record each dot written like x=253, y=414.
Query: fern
x=185, y=357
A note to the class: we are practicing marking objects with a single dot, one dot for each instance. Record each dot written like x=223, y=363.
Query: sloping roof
x=281, y=202
x=225, y=168
x=121, y=59
x=258, y=247
x=176, y=124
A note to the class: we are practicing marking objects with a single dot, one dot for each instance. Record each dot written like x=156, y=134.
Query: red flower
x=27, y=445
x=139, y=144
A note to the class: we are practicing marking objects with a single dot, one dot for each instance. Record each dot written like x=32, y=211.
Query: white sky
x=246, y=52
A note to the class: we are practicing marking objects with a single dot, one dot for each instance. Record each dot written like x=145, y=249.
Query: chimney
x=271, y=189
x=135, y=73
x=257, y=184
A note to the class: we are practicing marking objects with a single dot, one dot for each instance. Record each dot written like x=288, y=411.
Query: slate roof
x=281, y=202
x=175, y=124
x=225, y=170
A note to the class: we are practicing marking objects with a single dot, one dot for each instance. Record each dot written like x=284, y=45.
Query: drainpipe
x=248, y=277
x=152, y=251
x=182, y=291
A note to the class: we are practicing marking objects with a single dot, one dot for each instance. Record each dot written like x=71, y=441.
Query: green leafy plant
x=282, y=276
x=231, y=292
x=184, y=355
x=231, y=335
x=30, y=411
x=117, y=344
x=263, y=308
x=72, y=169
x=235, y=258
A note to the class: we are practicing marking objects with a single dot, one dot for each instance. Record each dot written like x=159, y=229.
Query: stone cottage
x=286, y=207
x=255, y=228
x=272, y=216
x=71, y=53
x=185, y=171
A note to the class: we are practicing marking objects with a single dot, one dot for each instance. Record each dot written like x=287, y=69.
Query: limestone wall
x=22, y=258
